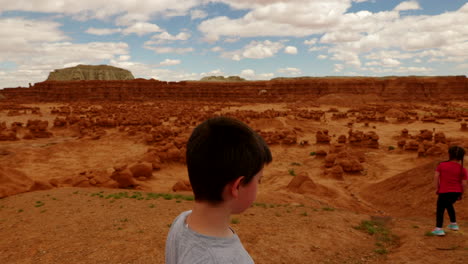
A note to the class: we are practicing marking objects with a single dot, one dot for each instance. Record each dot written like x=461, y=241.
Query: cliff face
x=90, y=72
x=387, y=89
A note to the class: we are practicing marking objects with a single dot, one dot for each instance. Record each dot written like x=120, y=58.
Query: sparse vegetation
x=39, y=204
x=292, y=172
x=330, y=209
x=141, y=196
x=382, y=234
x=312, y=153
x=235, y=221
x=391, y=147
x=264, y=205
x=304, y=214
x=381, y=251
x=295, y=164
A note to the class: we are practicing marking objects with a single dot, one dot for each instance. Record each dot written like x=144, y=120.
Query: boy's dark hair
x=220, y=150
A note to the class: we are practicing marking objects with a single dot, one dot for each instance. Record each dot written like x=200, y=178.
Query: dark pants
x=446, y=201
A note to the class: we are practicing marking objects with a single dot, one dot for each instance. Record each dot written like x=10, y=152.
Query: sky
x=173, y=40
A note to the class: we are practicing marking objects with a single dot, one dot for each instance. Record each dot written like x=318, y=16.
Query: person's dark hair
x=220, y=150
x=456, y=153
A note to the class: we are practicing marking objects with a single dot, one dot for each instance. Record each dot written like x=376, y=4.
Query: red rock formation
x=336, y=172
x=425, y=134
x=123, y=176
x=404, y=133
x=389, y=88
x=330, y=160
x=85, y=179
x=182, y=186
x=412, y=145
x=7, y=134
x=463, y=126
x=342, y=139
x=437, y=149
x=301, y=183
x=142, y=170
x=37, y=129
x=439, y=137
x=322, y=136
x=13, y=182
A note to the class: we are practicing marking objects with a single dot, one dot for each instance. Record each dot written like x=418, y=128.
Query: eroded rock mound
x=182, y=186
x=90, y=72
x=302, y=183
x=13, y=181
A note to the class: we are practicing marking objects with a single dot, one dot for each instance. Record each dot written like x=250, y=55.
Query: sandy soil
x=89, y=225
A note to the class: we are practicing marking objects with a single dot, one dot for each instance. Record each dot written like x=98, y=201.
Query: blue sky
x=255, y=39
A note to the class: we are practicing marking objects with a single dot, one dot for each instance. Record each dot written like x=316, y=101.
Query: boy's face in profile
x=247, y=193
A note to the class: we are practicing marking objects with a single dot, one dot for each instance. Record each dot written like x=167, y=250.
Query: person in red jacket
x=450, y=179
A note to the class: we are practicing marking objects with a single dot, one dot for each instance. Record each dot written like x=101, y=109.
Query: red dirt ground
x=45, y=217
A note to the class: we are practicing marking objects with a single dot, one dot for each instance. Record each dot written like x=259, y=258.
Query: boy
x=225, y=160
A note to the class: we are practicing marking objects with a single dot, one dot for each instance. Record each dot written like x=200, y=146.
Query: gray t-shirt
x=185, y=246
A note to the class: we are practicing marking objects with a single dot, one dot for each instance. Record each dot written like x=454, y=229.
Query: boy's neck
x=210, y=220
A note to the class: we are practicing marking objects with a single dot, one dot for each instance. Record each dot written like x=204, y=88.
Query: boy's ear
x=234, y=188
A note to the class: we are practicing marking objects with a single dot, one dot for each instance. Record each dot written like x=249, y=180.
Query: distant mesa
x=90, y=72
x=222, y=79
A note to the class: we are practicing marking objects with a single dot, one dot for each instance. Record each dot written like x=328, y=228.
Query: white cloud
x=124, y=57
x=290, y=71
x=338, y=67
x=165, y=37
x=101, y=9
x=102, y=31
x=252, y=75
x=32, y=68
x=276, y=18
x=198, y=14
x=216, y=72
x=322, y=57
x=169, y=49
x=217, y=49
x=141, y=28
x=310, y=42
x=255, y=50
x=290, y=50
x=231, y=40
x=37, y=47
x=347, y=57
x=408, y=5
x=316, y=48
x=169, y=62
x=385, y=62
x=26, y=34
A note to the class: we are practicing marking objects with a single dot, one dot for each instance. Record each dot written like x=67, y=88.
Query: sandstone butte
x=90, y=72
x=383, y=89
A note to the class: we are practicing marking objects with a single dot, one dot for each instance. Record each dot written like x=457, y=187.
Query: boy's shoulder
x=184, y=245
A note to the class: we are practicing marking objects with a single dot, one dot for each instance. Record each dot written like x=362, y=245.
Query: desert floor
x=380, y=214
